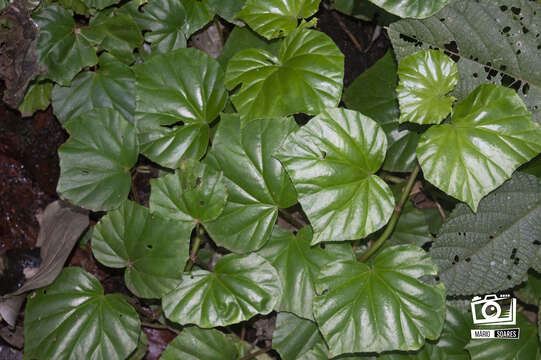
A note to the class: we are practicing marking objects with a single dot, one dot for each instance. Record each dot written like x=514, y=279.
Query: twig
x=440, y=210
x=394, y=218
x=291, y=219
x=159, y=326
x=219, y=28
x=344, y=28
x=393, y=179
x=133, y=189
x=258, y=352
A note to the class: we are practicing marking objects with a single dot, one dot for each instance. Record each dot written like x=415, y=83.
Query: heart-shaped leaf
x=306, y=77
x=298, y=265
x=240, y=287
x=489, y=136
x=381, y=307
x=256, y=183
x=185, y=86
x=194, y=343
x=276, y=18
x=194, y=194
x=96, y=160
x=425, y=78
x=294, y=337
x=61, y=46
x=332, y=161
x=112, y=86
x=411, y=9
x=152, y=249
x=73, y=308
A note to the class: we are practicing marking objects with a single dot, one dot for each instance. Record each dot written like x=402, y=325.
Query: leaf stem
x=391, y=178
x=394, y=218
x=195, y=248
x=219, y=29
x=291, y=219
x=159, y=326
x=254, y=354
x=133, y=189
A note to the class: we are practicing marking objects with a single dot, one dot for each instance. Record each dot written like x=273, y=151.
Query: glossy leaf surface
x=242, y=38
x=153, y=250
x=164, y=19
x=489, y=136
x=240, y=287
x=181, y=86
x=305, y=77
x=332, y=161
x=194, y=193
x=276, y=18
x=194, y=343
x=74, y=308
x=411, y=9
x=198, y=14
x=112, y=86
x=256, y=183
x=425, y=78
x=96, y=160
x=294, y=337
x=501, y=238
x=381, y=307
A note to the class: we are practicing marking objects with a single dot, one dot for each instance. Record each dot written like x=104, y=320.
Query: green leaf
x=364, y=10
x=298, y=265
x=305, y=77
x=100, y=4
x=95, y=162
x=293, y=337
x=489, y=136
x=425, y=78
x=77, y=6
x=526, y=347
x=373, y=94
x=166, y=96
x=242, y=38
x=195, y=193
x=111, y=86
x=411, y=9
x=37, y=97
x=73, y=308
x=502, y=238
x=165, y=21
x=198, y=14
x=533, y=167
x=240, y=287
x=228, y=10
x=194, y=343
x=530, y=291
x=381, y=307
x=490, y=42
x=276, y=18
x=412, y=227
x=256, y=183
x=152, y=249
x=60, y=46
x=142, y=348
x=332, y=161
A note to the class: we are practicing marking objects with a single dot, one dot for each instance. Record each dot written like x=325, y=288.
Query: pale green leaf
x=194, y=343
x=240, y=287
x=73, y=308
x=305, y=77
x=332, y=161
x=96, y=160
x=37, y=97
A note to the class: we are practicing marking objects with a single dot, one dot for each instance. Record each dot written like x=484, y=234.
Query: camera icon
x=494, y=310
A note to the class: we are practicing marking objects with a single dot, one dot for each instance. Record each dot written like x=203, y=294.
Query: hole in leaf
x=442, y=19
x=149, y=246
x=506, y=29
x=84, y=172
x=437, y=278
x=525, y=30
x=536, y=242
x=173, y=125
x=509, y=277
x=516, y=261
x=518, y=52
x=410, y=40
x=198, y=181
x=491, y=237
x=525, y=89
x=202, y=202
x=323, y=155
x=475, y=75
x=516, y=85
x=515, y=10
x=507, y=80
x=503, y=8
x=468, y=259
x=513, y=253
x=456, y=258
x=44, y=292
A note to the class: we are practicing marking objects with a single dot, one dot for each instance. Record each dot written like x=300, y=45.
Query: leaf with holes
x=183, y=86
x=502, y=238
x=298, y=265
x=492, y=41
x=152, y=249
x=194, y=343
x=256, y=183
x=73, y=308
x=195, y=193
x=240, y=287
x=305, y=77
x=96, y=160
x=332, y=161
x=112, y=86
x=276, y=18
x=350, y=311
x=425, y=78
x=489, y=136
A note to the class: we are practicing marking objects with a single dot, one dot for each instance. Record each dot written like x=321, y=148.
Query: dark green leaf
x=165, y=21
x=412, y=227
x=100, y=4
x=242, y=38
x=198, y=14
x=530, y=292
x=293, y=337
x=37, y=97
x=194, y=343
x=228, y=10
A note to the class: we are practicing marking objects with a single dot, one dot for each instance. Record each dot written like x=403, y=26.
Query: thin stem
x=344, y=28
x=159, y=326
x=195, y=248
x=394, y=218
x=391, y=178
x=219, y=28
x=291, y=219
x=133, y=189
x=254, y=354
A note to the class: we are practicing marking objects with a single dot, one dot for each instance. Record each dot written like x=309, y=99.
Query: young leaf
x=276, y=18
x=74, y=308
x=332, y=161
x=37, y=97
x=294, y=337
x=381, y=307
x=96, y=160
x=501, y=240
x=194, y=194
x=256, y=183
x=298, y=265
x=240, y=287
x=167, y=96
x=489, y=136
x=112, y=86
x=152, y=249
x=194, y=343
x=425, y=78
x=411, y=9
x=491, y=43
x=60, y=46
x=305, y=77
